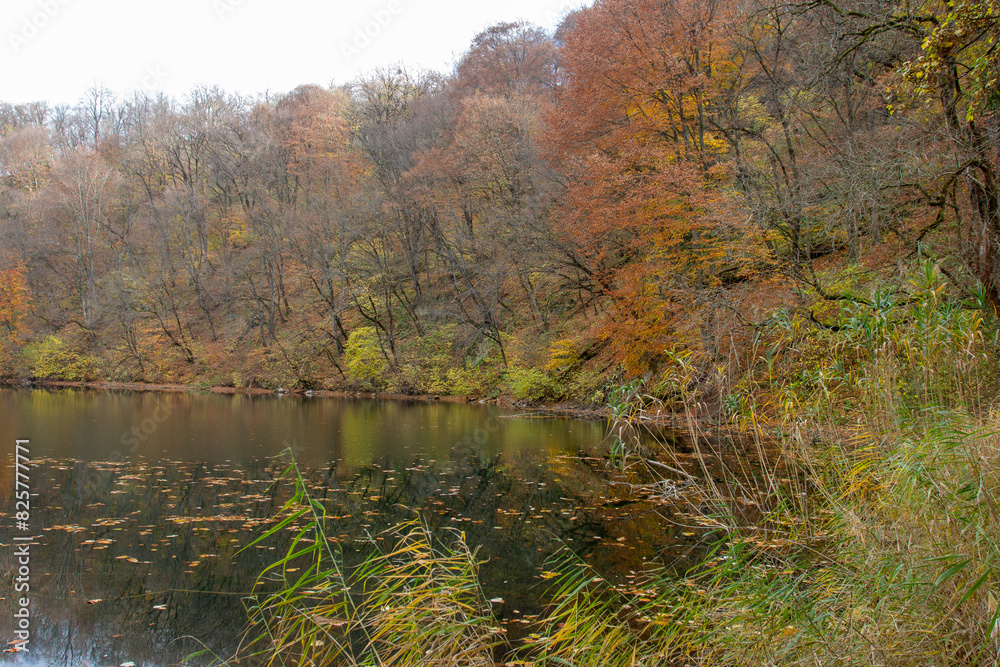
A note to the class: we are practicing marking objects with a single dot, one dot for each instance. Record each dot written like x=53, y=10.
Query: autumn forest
x=559, y=212
x=776, y=222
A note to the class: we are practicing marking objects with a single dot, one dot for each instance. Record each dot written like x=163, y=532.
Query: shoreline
x=532, y=410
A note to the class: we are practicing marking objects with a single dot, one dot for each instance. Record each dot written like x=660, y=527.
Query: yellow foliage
x=562, y=355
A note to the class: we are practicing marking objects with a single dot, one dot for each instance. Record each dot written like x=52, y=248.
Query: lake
x=142, y=502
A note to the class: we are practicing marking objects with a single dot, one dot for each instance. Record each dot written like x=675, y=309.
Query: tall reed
x=413, y=599
x=869, y=533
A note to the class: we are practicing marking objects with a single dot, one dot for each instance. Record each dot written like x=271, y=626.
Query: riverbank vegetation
x=850, y=519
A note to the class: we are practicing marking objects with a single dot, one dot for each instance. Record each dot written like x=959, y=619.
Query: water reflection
x=142, y=502
x=139, y=553
x=98, y=425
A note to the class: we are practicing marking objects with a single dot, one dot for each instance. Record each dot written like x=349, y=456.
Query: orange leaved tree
x=645, y=173
x=13, y=310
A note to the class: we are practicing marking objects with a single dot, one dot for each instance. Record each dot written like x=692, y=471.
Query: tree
x=25, y=158
x=482, y=187
x=390, y=132
x=328, y=169
x=509, y=59
x=13, y=305
x=958, y=72
x=79, y=207
x=634, y=133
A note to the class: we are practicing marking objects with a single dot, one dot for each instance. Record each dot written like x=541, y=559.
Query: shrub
x=425, y=365
x=529, y=384
x=365, y=361
x=563, y=355
x=588, y=387
x=50, y=358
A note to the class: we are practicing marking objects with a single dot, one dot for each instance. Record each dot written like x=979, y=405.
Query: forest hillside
x=726, y=183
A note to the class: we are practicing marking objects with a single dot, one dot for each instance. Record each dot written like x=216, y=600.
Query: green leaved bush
x=563, y=354
x=530, y=384
x=424, y=365
x=366, y=363
x=53, y=359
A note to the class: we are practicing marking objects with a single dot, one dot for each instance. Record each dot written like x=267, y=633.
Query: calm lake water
x=141, y=503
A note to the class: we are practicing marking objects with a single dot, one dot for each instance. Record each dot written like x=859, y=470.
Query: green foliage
x=880, y=540
x=51, y=359
x=588, y=387
x=463, y=382
x=893, y=554
x=529, y=384
x=365, y=361
x=594, y=622
x=880, y=356
x=427, y=361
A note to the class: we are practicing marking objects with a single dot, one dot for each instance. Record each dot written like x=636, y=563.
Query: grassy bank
x=850, y=516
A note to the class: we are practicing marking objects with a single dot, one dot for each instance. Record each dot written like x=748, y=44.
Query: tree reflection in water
x=140, y=560
x=137, y=559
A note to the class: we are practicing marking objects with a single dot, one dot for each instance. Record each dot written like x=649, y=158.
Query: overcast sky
x=54, y=50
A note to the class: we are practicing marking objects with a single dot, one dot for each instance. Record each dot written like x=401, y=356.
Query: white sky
x=54, y=50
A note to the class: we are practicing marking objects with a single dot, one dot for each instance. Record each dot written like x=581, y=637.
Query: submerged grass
x=861, y=527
